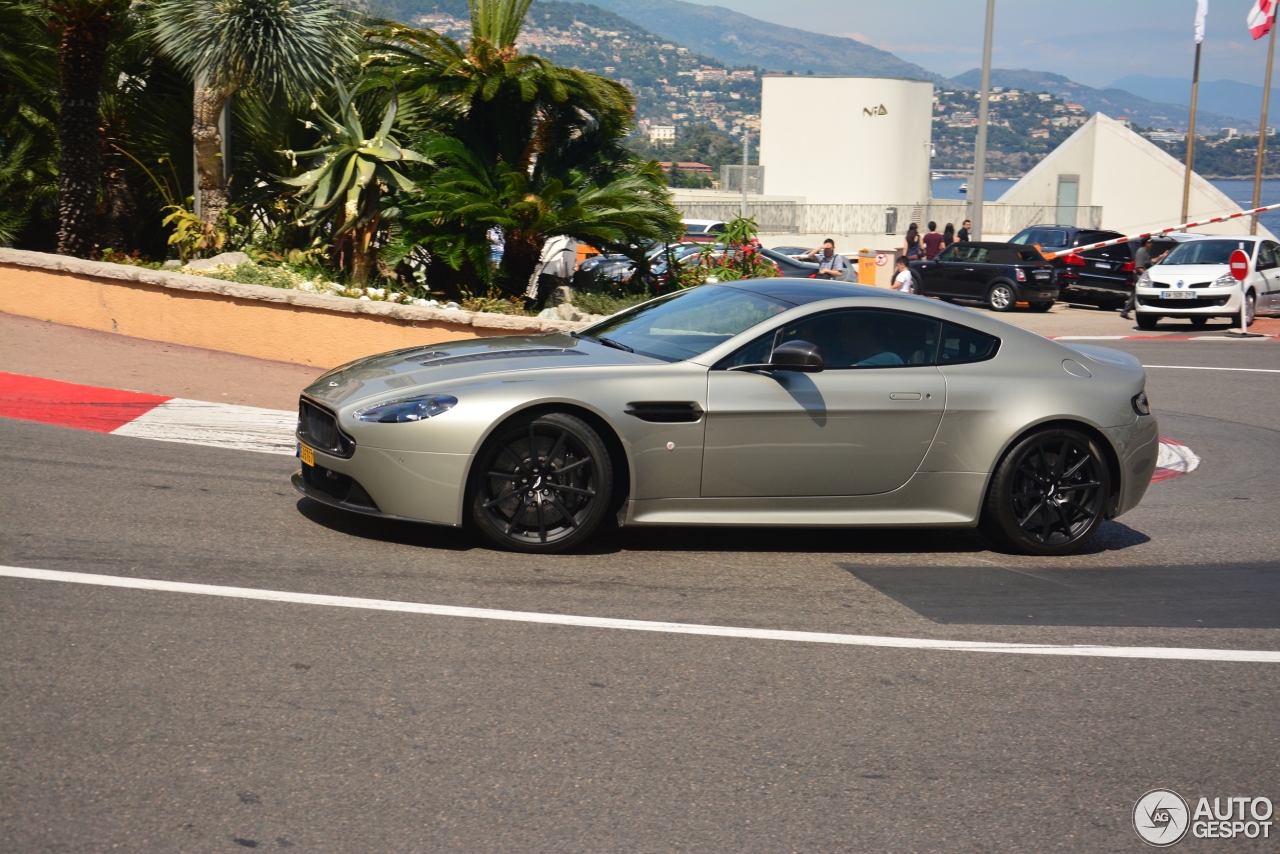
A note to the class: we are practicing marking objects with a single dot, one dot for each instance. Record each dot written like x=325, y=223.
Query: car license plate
x=308, y=455
x=1177, y=295
x=1042, y=275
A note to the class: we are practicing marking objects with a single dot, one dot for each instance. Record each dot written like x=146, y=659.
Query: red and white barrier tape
x=1118, y=240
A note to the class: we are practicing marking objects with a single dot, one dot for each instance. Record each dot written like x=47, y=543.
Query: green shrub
x=598, y=303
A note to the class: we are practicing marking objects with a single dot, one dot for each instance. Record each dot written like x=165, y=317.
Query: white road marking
x=1198, y=368
x=219, y=425
x=1082, y=650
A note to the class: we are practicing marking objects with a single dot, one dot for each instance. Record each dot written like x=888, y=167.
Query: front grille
x=337, y=485
x=1192, y=285
x=1198, y=302
x=319, y=428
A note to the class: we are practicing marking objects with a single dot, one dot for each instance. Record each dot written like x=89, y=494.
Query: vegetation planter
x=252, y=320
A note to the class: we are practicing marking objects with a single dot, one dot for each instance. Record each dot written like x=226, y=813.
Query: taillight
x=1127, y=267
x=1073, y=260
x=1022, y=276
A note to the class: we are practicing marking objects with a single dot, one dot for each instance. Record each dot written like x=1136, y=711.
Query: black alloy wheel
x=1001, y=297
x=1049, y=494
x=542, y=485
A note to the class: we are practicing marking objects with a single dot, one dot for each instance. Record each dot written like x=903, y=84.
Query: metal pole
x=1191, y=139
x=977, y=185
x=1262, y=130
x=746, y=141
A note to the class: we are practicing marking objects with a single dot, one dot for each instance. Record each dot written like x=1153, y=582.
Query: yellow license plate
x=308, y=456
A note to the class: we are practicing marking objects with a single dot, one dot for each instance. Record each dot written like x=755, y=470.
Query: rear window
x=1015, y=256
x=1120, y=253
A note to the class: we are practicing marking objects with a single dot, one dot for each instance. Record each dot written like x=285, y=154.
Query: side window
x=979, y=256
x=1051, y=237
x=867, y=337
x=1267, y=255
x=951, y=253
x=961, y=344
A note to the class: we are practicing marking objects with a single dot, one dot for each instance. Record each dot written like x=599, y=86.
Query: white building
x=1138, y=185
x=664, y=134
x=847, y=140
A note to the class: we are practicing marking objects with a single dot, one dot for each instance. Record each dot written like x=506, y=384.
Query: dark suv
x=1102, y=277
x=999, y=274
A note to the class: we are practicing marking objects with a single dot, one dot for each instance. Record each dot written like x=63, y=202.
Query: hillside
x=738, y=39
x=1229, y=97
x=1116, y=103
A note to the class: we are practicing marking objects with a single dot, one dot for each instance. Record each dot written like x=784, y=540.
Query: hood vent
x=445, y=359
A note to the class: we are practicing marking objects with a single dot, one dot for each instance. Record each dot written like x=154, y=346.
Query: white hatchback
x=1194, y=281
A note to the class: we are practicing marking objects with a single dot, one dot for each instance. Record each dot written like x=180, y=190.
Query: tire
x=1147, y=321
x=1199, y=321
x=1250, y=308
x=1042, y=306
x=541, y=485
x=1001, y=297
x=1049, y=494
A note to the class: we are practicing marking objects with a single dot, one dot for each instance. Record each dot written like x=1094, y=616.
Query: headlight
x=1144, y=281
x=408, y=409
x=1226, y=280
x=1141, y=405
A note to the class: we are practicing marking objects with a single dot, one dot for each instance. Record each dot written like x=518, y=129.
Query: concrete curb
x=509, y=324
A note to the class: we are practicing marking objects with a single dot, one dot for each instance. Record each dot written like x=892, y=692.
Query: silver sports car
x=763, y=402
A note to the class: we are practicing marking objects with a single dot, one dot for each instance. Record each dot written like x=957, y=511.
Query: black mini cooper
x=999, y=274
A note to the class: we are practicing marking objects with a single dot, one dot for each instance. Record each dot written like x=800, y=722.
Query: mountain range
x=1242, y=100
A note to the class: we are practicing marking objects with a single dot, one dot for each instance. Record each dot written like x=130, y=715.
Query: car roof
x=702, y=221
x=805, y=291
x=991, y=244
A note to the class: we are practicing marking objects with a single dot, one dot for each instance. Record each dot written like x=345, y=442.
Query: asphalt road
x=156, y=721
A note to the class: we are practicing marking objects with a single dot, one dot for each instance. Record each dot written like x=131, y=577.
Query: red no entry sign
x=1239, y=265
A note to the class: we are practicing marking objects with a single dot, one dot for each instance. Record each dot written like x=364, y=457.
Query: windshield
x=1206, y=251
x=686, y=324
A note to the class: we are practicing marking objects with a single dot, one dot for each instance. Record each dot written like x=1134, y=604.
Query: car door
x=973, y=276
x=935, y=275
x=1269, y=269
x=859, y=427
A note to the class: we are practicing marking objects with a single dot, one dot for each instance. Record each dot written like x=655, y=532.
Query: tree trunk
x=120, y=218
x=520, y=258
x=210, y=170
x=81, y=58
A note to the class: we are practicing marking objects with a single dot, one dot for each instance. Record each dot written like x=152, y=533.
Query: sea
x=1240, y=192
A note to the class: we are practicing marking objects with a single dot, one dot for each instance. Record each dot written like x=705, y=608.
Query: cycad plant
x=355, y=171
x=291, y=47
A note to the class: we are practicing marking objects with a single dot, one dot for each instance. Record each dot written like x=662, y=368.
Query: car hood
x=461, y=362
x=1188, y=272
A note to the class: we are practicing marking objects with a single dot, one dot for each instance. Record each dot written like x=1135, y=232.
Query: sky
x=1094, y=42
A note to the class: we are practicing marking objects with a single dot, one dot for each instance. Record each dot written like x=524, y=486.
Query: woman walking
x=948, y=235
x=911, y=248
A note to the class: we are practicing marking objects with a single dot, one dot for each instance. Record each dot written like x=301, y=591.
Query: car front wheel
x=542, y=484
x=1049, y=493
x=1147, y=321
x=1001, y=297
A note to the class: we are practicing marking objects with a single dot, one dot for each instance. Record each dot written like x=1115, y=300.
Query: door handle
x=968, y=269
x=904, y=395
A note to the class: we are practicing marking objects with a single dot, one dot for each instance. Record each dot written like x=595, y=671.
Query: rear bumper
x=1137, y=446
x=1030, y=292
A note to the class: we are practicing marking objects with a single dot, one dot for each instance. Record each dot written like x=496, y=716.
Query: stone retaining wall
x=252, y=320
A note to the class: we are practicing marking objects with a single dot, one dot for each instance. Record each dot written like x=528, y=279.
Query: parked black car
x=999, y=274
x=789, y=267
x=1102, y=277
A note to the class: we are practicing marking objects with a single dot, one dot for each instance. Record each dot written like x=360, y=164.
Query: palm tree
x=525, y=145
x=289, y=47
x=28, y=126
x=355, y=170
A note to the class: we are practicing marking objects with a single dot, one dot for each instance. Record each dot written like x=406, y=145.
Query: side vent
x=664, y=412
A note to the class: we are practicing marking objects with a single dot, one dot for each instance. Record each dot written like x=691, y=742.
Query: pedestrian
x=911, y=248
x=903, y=280
x=831, y=265
x=1142, y=261
x=948, y=235
x=932, y=241
x=963, y=234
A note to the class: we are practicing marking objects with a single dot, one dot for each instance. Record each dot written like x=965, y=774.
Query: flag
x=1260, y=17
x=1202, y=11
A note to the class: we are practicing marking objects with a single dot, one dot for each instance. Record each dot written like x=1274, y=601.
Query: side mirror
x=798, y=356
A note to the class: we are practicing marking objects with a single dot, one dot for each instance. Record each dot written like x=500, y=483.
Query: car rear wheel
x=1199, y=321
x=1001, y=297
x=1048, y=495
x=1041, y=306
x=542, y=484
x=1147, y=321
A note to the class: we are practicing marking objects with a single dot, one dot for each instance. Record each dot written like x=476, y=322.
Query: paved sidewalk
x=38, y=349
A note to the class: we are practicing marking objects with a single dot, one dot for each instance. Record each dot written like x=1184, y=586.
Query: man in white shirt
x=903, y=281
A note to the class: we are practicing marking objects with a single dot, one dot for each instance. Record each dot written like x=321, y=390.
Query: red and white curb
x=147, y=416
x=1175, y=460
x=242, y=428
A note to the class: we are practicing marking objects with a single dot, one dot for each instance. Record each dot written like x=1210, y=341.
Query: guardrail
x=795, y=218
